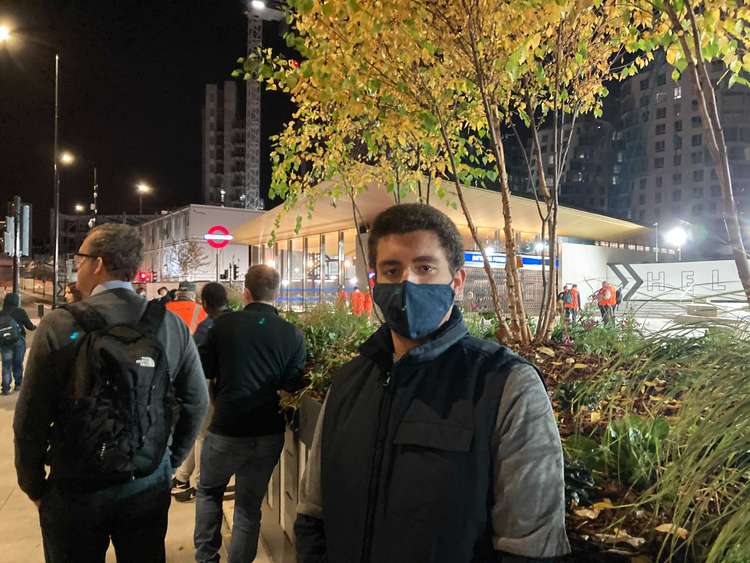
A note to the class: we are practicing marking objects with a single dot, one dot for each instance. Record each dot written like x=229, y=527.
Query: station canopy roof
x=485, y=207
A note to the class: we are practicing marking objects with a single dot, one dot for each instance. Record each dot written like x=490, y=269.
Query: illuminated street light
x=142, y=188
x=5, y=36
x=67, y=158
x=80, y=208
x=677, y=237
x=258, y=5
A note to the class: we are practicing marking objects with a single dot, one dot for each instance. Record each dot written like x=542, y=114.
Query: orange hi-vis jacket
x=576, y=298
x=607, y=295
x=357, y=302
x=189, y=311
x=574, y=303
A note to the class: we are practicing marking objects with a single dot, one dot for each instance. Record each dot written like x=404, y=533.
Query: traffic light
x=235, y=271
x=153, y=276
x=143, y=277
x=225, y=275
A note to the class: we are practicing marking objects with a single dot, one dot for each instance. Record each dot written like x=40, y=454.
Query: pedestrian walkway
x=21, y=538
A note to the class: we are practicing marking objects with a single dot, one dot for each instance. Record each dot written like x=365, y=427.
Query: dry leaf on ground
x=621, y=536
x=546, y=351
x=589, y=513
x=681, y=533
x=603, y=504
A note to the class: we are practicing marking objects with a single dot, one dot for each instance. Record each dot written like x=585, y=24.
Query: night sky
x=132, y=84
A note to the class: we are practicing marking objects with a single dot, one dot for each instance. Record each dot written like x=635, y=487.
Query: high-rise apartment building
x=667, y=174
x=224, y=181
x=589, y=166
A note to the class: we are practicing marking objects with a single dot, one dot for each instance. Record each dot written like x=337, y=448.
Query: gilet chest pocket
x=434, y=435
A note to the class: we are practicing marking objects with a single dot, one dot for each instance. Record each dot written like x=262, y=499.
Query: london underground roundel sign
x=218, y=236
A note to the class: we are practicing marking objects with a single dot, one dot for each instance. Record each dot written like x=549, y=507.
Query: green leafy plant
x=633, y=447
x=332, y=337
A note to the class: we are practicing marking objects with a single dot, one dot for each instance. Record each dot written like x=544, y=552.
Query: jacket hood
x=11, y=300
x=379, y=347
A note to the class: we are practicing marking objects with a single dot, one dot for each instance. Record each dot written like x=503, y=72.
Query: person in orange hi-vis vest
x=367, y=305
x=185, y=306
x=357, y=301
x=577, y=300
x=606, y=298
x=569, y=304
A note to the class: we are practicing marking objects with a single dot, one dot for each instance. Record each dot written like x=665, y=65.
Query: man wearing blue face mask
x=432, y=446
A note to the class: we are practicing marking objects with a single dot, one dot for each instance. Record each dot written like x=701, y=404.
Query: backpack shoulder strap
x=86, y=316
x=153, y=317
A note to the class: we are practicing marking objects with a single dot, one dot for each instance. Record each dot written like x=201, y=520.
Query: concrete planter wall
x=279, y=508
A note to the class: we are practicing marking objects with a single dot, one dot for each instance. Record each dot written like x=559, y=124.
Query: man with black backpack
x=113, y=398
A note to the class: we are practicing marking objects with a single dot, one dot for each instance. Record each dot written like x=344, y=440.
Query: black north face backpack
x=9, y=331
x=119, y=409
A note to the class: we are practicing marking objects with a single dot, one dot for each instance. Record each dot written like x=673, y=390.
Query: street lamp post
x=56, y=187
x=5, y=36
x=142, y=188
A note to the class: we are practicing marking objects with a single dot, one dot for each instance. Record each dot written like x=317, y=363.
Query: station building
x=322, y=251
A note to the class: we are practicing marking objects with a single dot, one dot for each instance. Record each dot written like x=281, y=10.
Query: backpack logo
x=146, y=362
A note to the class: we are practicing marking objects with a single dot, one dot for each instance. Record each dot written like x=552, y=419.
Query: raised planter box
x=279, y=508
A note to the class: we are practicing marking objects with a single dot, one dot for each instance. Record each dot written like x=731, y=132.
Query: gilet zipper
x=386, y=402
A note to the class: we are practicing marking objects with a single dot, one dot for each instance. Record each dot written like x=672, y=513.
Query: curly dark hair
x=120, y=248
x=410, y=217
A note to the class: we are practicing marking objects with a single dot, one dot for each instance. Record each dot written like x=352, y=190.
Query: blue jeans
x=251, y=460
x=13, y=363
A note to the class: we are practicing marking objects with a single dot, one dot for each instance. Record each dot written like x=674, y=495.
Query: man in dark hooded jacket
x=432, y=446
x=13, y=355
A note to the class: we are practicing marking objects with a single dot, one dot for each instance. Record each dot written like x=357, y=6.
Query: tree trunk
x=710, y=115
x=515, y=290
x=505, y=335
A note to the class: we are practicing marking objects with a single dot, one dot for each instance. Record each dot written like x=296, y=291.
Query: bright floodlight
x=258, y=4
x=143, y=188
x=80, y=208
x=4, y=33
x=354, y=281
x=540, y=246
x=67, y=157
x=677, y=237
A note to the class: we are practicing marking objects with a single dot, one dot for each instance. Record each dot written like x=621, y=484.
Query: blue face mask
x=413, y=310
